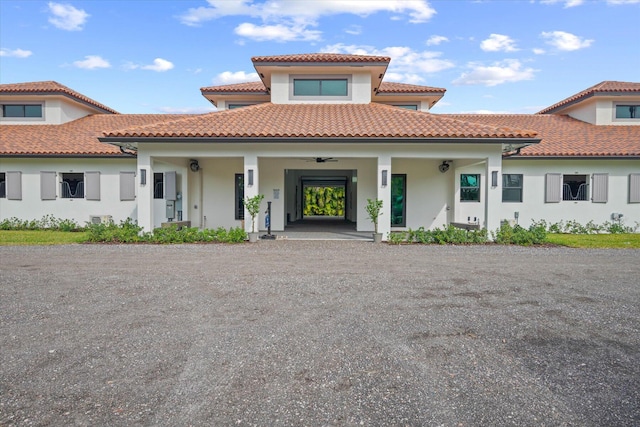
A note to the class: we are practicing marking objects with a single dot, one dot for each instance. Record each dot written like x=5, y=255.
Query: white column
x=251, y=189
x=384, y=194
x=145, y=193
x=493, y=198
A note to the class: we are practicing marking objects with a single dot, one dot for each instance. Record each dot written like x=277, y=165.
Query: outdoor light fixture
x=194, y=165
x=143, y=177
x=250, y=178
x=384, y=178
x=494, y=178
x=444, y=166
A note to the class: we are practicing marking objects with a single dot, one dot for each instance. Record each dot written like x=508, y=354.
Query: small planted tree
x=374, y=210
x=253, y=207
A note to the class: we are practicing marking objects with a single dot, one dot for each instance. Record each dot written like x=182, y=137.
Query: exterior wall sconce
x=384, y=177
x=250, y=177
x=143, y=177
x=494, y=178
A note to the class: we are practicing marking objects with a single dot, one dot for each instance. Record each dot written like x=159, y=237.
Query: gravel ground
x=295, y=333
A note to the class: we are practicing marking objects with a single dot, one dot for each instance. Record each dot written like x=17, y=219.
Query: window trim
x=347, y=77
x=479, y=187
x=626, y=104
x=521, y=188
x=23, y=118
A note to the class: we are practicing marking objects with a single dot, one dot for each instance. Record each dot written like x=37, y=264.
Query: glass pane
x=13, y=110
x=627, y=111
x=468, y=180
x=512, y=180
x=33, y=110
x=407, y=107
x=511, y=195
x=398, y=192
x=306, y=87
x=470, y=194
x=334, y=87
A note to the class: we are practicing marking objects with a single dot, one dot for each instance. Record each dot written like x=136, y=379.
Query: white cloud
x=418, y=11
x=291, y=20
x=539, y=51
x=91, y=62
x=567, y=3
x=616, y=2
x=159, y=65
x=498, y=43
x=565, y=41
x=15, y=53
x=507, y=71
x=409, y=78
x=404, y=60
x=229, y=77
x=436, y=40
x=67, y=17
x=354, y=30
x=278, y=32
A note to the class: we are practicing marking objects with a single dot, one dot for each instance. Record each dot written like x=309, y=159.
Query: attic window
x=320, y=87
x=627, y=111
x=22, y=110
x=407, y=106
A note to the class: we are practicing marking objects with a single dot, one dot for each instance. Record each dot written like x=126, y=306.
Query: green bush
x=517, y=235
x=47, y=222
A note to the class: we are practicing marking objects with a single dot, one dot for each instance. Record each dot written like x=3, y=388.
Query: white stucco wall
x=534, y=207
x=360, y=90
x=32, y=207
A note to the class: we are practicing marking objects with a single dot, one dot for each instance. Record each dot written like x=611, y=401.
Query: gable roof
x=75, y=138
x=348, y=121
x=52, y=88
x=601, y=89
x=563, y=136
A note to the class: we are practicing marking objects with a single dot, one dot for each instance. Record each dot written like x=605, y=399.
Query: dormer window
x=22, y=110
x=320, y=87
x=627, y=111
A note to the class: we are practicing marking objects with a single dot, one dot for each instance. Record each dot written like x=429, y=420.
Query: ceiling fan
x=322, y=159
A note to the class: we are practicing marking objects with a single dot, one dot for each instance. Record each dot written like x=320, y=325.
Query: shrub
x=517, y=235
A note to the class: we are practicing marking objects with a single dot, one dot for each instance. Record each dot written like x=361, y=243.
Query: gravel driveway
x=300, y=333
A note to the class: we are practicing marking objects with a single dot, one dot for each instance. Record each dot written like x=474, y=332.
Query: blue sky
x=154, y=56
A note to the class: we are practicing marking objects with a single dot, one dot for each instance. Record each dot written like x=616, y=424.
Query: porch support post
x=493, y=199
x=384, y=194
x=145, y=192
x=251, y=188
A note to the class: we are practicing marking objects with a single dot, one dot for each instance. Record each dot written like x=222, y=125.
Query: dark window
x=22, y=110
x=320, y=87
x=234, y=106
x=72, y=186
x=158, y=185
x=627, y=111
x=398, y=200
x=511, y=187
x=239, y=204
x=407, y=106
x=3, y=185
x=575, y=187
x=469, y=187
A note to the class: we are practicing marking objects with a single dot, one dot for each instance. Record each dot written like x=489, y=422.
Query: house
x=320, y=121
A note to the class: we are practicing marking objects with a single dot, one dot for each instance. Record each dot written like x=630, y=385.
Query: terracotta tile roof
x=76, y=138
x=373, y=120
x=238, y=87
x=391, y=87
x=321, y=57
x=602, y=88
x=50, y=88
x=563, y=136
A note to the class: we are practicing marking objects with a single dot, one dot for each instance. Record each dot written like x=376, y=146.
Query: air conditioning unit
x=100, y=219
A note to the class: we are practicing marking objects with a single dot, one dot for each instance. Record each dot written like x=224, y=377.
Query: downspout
x=202, y=217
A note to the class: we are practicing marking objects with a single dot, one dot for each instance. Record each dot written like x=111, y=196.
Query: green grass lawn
x=603, y=241
x=44, y=237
